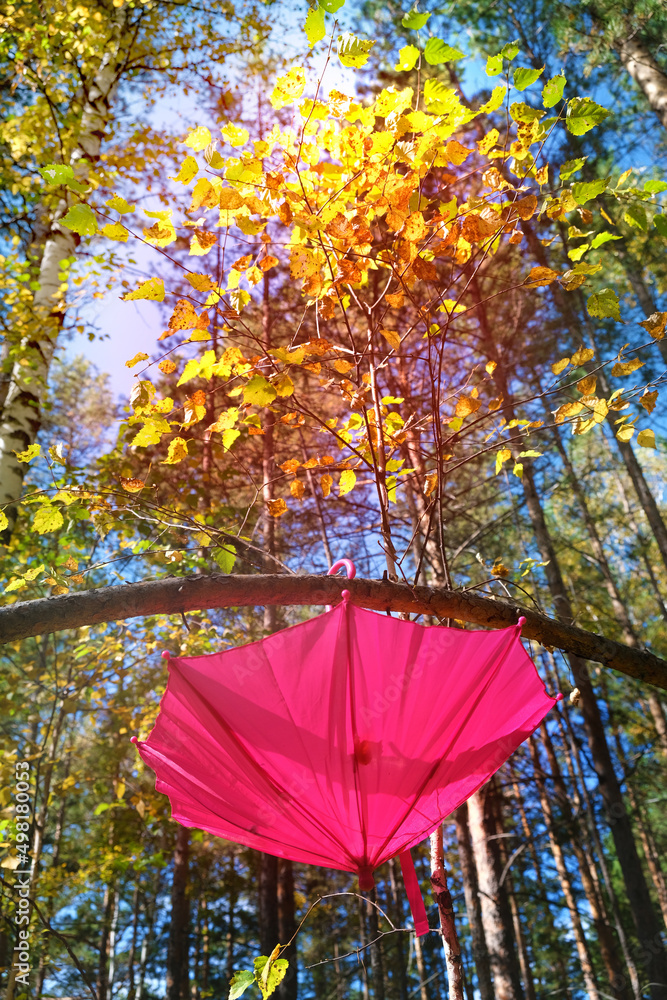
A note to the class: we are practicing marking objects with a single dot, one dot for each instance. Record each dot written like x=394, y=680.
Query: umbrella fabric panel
x=343, y=740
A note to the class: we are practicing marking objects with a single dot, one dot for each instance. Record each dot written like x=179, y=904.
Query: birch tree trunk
x=443, y=898
x=646, y=73
x=27, y=387
x=496, y=918
x=473, y=907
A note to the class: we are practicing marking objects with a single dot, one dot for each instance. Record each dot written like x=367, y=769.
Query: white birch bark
x=26, y=392
x=647, y=74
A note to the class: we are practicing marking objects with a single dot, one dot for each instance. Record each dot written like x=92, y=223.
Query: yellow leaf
x=201, y=282
x=581, y=356
x=303, y=262
x=430, y=483
x=567, y=410
x=501, y=457
x=625, y=432
x=201, y=243
x=120, y=789
x=276, y=508
x=415, y=228
x=153, y=289
x=648, y=400
x=288, y=88
x=235, y=134
x=540, y=276
x=47, y=519
x=392, y=337
x=655, y=325
x=627, y=367
x=132, y=485
x=198, y=138
x=326, y=482
x=456, y=153
x=347, y=482
x=525, y=207
x=115, y=231
x=4, y=523
x=188, y=170
x=467, y=405
x=178, y=450
x=491, y=366
x=141, y=356
x=230, y=199
x=586, y=386
x=646, y=439
x=297, y=489
x=560, y=366
x=161, y=234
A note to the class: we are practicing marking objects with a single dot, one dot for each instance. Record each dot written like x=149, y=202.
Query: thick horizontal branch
x=195, y=593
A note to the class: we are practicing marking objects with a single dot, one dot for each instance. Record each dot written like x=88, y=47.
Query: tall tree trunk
x=178, y=950
x=136, y=907
x=473, y=907
x=289, y=988
x=443, y=898
x=395, y=885
x=363, y=940
x=497, y=920
x=377, y=958
x=608, y=948
x=113, y=930
x=646, y=73
x=269, y=935
x=21, y=413
x=421, y=969
x=585, y=959
x=103, y=946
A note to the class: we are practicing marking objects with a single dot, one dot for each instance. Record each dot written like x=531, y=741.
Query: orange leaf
x=276, y=508
x=326, y=482
x=132, y=485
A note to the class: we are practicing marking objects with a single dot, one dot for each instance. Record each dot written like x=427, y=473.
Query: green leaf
x=660, y=223
x=603, y=238
x=583, y=115
x=552, y=91
x=604, y=304
x=331, y=6
x=407, y=58
x=522, y=112
x=239, y=983
x=655, y=187
x=494, y=102
x=57, y=173
x=437, y=51
x=636, y=216
x=314, y=26
x=353, y=51
x=47, y=518
x=524, y=76
x=584, y=191
x=510, y=51
x=32, y=451
x=152, y=289
x=414, y=20
x=80, y=219
x=259, y=392
x=269, y=980
x=494, y=65
x=225, y=557
x=578, y=252
x=571, y=167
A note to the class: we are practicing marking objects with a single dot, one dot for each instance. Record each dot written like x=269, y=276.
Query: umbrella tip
x=521, y=622
x=366, y=880
x=165, y=654
x=133, y=739
x=345, y=594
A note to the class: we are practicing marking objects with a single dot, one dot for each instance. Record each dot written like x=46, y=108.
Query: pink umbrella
x=343, y=741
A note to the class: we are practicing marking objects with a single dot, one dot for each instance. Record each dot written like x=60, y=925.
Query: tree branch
x=174, y=595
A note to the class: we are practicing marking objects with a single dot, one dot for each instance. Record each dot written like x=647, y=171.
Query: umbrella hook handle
x=349, y=568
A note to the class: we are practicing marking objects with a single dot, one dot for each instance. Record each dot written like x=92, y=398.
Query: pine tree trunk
x=473, y=907
x=288, y=989
x=585, y=959
x=395, y=885
x=103, y=946
x=178, y=950
x=496, y=918
x=377, y=959
x=269, y=935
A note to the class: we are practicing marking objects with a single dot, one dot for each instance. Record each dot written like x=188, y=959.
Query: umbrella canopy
x=342, y=741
